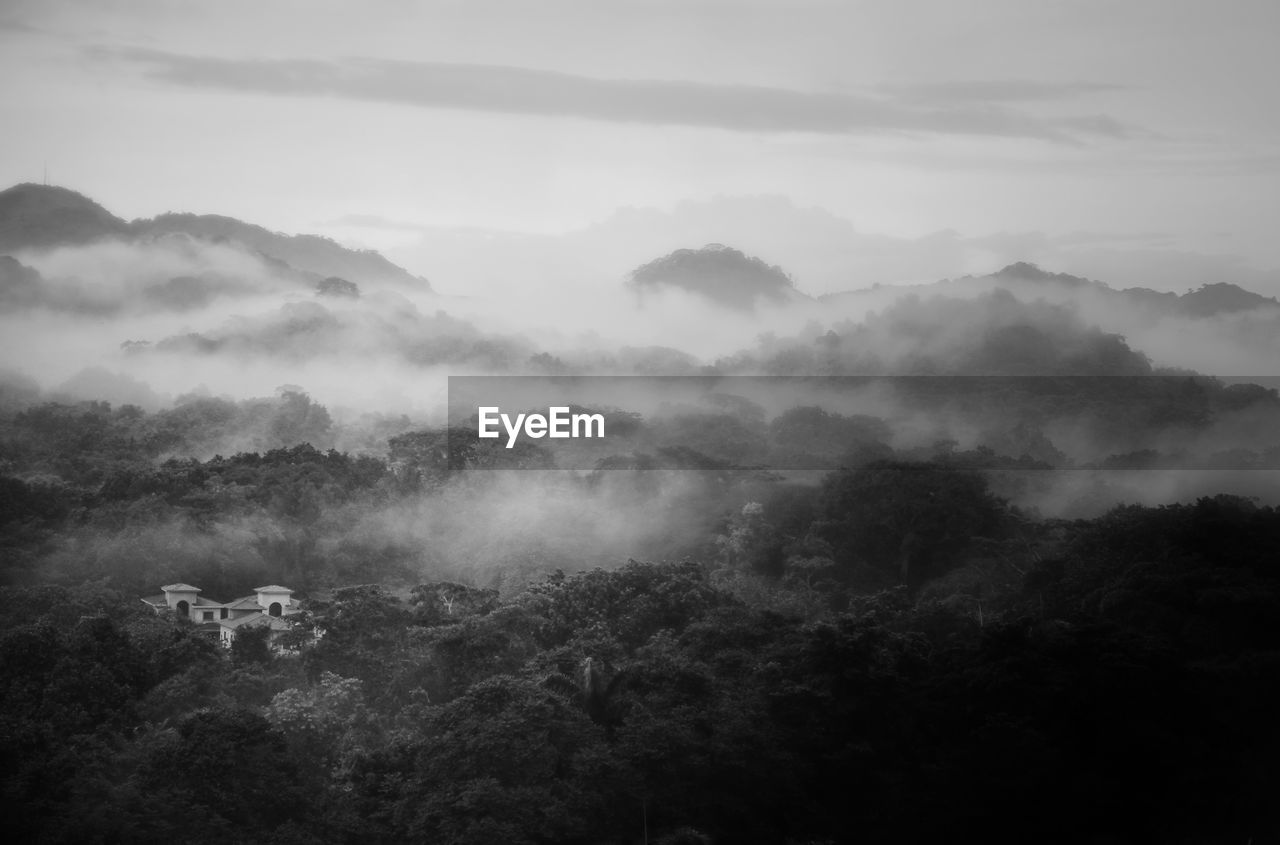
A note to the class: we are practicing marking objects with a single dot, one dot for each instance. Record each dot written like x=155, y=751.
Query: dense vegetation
x=896, y=654
x=1119, y=677
x=720, y=273
x=912, y=611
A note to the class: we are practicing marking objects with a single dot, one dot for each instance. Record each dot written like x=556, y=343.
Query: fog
x=826, y=253
x=238, y=352
x=199, y=304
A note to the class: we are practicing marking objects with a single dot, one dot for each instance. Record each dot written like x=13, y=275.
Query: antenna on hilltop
x=46, y=174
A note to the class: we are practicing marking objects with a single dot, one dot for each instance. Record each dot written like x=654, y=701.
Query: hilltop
x=720, y=273
x=36, y=216
x=45, y=216
x=309, y=253
x=1025, y=279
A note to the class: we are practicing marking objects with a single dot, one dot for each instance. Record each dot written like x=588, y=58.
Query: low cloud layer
x=824, y=252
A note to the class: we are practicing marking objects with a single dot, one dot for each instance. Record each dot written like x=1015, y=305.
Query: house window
x=275, y=609
x=224, y=613
x=208, y=616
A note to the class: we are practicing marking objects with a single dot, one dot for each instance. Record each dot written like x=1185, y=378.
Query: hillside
x=310, y=253
x=1024, y=279
x=1222, y=298
x=44, y=216
x=19, y=285
x=720, y=273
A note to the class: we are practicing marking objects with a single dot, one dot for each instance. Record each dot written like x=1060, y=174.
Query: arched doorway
x=184, y=608
x=275, y=609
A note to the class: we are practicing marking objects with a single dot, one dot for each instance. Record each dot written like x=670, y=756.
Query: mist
x=232, y=350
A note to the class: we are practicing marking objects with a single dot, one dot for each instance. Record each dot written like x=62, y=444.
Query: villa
x=269, y=607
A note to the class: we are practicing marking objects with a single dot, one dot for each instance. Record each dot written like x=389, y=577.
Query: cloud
x=997, y=90
x=374, y=221
x=1084, y=238
x=10, y=23
x=517, y=90
x=824, y=252
x=1103, y=125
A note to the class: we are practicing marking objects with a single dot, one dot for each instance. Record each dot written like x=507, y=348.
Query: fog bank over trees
x=894, y=559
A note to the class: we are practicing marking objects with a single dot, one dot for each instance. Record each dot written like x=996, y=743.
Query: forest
x=903, y=650
x=985, y=559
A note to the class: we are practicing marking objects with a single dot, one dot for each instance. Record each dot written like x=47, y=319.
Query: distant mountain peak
x=44, y=216
x=310, y=253
x=718, y=272
x=34, y=215
x=1027, y=271
x=1222, y=298
x=1206, y=301
x=49, y=195
x=1023, y=279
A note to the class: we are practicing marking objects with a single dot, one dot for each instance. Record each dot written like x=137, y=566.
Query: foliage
x=896, y=651
x=913, y=519
x=722, y=274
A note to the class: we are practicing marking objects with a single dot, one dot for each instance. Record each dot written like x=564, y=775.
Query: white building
x=268, y=607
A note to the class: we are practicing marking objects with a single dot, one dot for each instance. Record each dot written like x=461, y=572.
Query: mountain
x=19, y=285
x=1028, y=280
x=1222, y=298
x=309, y=253
x=46, y=216
x=1030, y=272
x=1209, y=300
x=43, y=216
x=720, y=273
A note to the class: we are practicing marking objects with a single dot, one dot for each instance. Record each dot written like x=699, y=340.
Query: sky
x=1143, y=136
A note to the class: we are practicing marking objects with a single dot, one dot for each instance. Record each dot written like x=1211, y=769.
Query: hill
x=1025, y=279
x=720, y=273
x=310, y=253
x=19, y=284
x=1222, y=298
x=45, y=216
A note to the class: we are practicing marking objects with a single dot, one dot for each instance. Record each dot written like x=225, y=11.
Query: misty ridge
x=187, y=301
x=143, y=356
x=817, y=523
x=645, y=423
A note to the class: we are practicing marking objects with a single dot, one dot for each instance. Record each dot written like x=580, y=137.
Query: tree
x=720, y=273
x=507, y=762
x=251, y=645
x=229, y=766
x=445, y=602
x=298, y=419
x=327, y=725
x=337, y=287
x=422, y=460
x=915, y=520
x=750, y=544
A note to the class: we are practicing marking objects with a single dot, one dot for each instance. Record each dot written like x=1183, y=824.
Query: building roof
x=238, y=621
x=274, y=622
x=252, y=602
